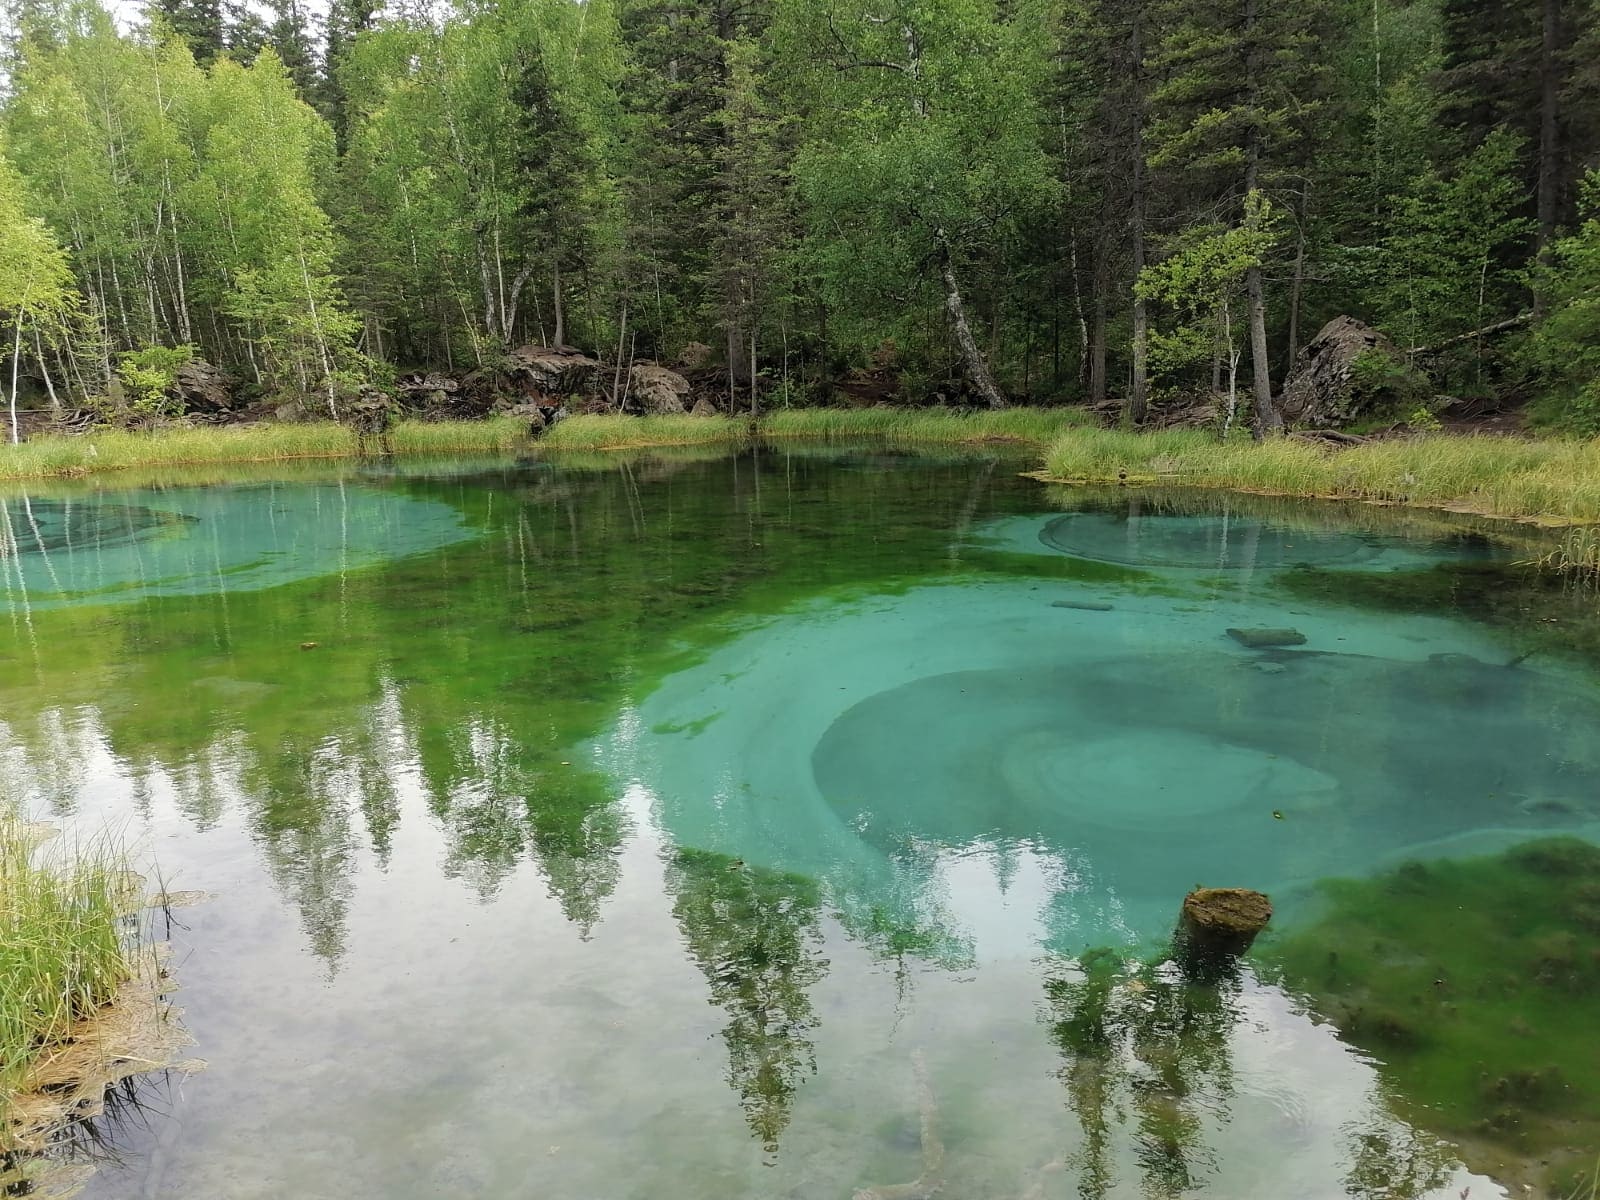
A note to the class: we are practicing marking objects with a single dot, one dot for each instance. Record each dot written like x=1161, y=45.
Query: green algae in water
x=624, y=945
x=1475, y=983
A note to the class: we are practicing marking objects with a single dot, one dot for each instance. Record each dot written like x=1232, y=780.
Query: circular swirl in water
x=1213, y=541
x=40, y=526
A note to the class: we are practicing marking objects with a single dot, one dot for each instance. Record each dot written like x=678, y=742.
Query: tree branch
x=1497, y=327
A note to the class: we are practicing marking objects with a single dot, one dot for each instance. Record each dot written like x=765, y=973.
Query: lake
x=800, y=824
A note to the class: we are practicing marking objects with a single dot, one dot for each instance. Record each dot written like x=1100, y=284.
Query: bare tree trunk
x=971, y=357
x=515, y=301
x=1295, y=289
x=490, y=312
x=322, y=342
x=1139, y=384
x=16, y=365
x=560, y=307
x=1097, y=324
x=44, y=370
x=1078, y=311
x=1267, y=419
x=972, y=360
x=622, y=340
x=1549, y=132
x=1233, y=371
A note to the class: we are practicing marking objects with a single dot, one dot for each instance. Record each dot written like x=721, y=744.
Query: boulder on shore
x=653, y=388
x=1323, y=389
x=201, y=387
x=551, y=370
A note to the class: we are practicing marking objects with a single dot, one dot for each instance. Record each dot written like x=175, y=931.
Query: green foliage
x=1201, y=281
x=1386, y=384
x=922, y=142
x=792, y=182
x=37, y=296
x=147, y=377
x=1566, y=341
x=1450, y=258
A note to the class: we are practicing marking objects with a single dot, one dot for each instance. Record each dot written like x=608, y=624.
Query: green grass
x=112, y=450
x=62, y=950
x=1031, y=425
x=606, y=432
x=1547, y=480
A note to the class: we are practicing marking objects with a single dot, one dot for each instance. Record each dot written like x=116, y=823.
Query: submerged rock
x=1262, y=639
x=1084, y=605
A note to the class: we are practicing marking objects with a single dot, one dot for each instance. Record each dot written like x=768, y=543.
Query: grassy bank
x=112, y=450
x=62, y=951
x=1553, y=481
x=602, y=432
x=1029, y=425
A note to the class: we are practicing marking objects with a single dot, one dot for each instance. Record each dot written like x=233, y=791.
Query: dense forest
x=1116, y=202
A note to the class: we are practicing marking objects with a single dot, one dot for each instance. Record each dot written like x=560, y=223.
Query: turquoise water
x=122, y=547
x=777, y=825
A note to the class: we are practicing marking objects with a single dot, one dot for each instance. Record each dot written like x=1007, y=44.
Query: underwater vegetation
x=1545, y=612
x=1473, y=984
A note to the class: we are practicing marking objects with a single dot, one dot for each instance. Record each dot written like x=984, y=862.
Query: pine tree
x=1238, y=83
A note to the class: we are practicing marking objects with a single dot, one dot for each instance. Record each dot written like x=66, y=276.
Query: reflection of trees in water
x=1145, y=1040
x=757, y=936
x=118, y=1133
x=1391, y=1161
x=469, y=672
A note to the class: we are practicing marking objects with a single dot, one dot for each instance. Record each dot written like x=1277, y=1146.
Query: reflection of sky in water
x=472, y=1049
x=108, y=548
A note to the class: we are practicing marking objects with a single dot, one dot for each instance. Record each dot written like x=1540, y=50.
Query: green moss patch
x=1473, y=983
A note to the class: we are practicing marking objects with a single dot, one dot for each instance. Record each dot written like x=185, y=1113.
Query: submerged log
x=930, y=1182
x=1216, y=927
x=1263, y=639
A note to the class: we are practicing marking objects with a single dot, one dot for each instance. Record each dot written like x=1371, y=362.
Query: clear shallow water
x=631, y=831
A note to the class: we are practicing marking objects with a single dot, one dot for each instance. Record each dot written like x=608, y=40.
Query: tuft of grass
x=490, y=435
x=63, y=953
x=113, y=450
x=1028, y=425
x=1546, y=480
x=614, y=432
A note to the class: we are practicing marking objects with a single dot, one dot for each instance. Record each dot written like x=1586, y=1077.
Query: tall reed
x=1547, y=480
x=63, y=945
x=113, y=449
